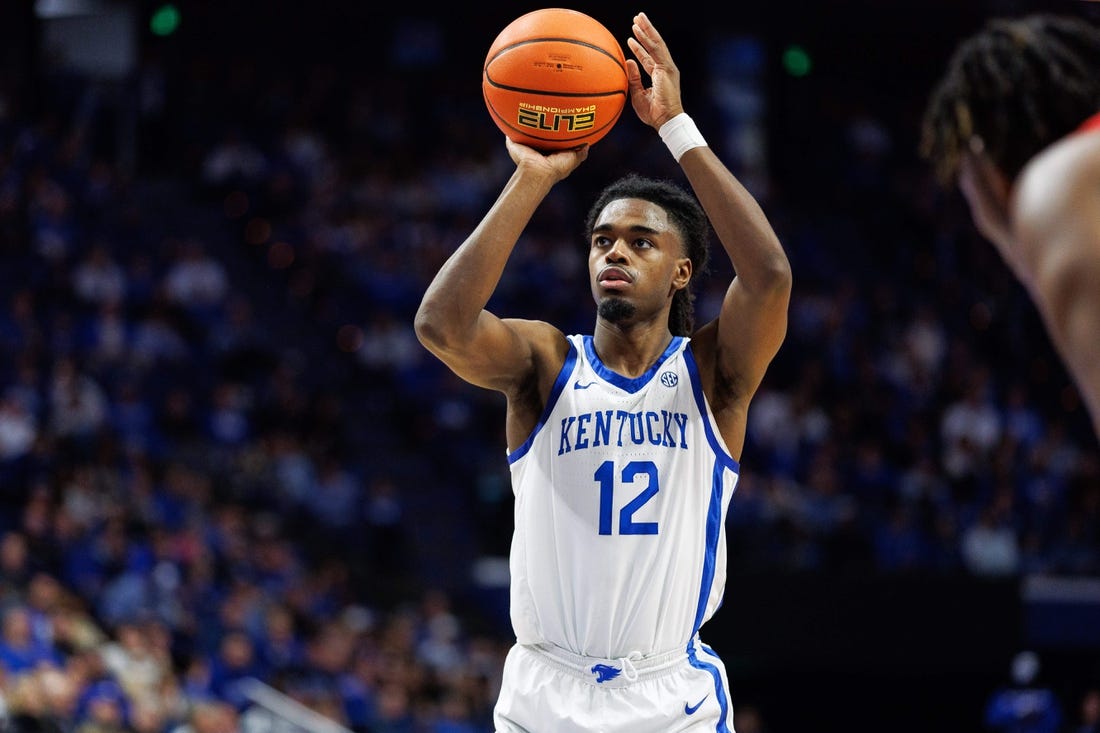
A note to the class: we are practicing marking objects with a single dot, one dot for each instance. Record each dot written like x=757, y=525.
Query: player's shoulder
x=547, y=341
x=1062, y=181
x=535, y=330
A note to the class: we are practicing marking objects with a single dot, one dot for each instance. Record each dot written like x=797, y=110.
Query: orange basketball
x=554, y=79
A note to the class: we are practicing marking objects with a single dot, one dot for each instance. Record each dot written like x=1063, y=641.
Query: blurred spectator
x=971, y=428
x=196, y=281
x=280, y=647
x=233, y=161
x=20, y=649
x=1025, y=706
x=990, y=546
x=211, y=717
x=132, y=659
x=18, y=429
x=103, y=708
x=78, y=405
x=235, y=661
x=393, y=713
x=15, y=565
x=98, y=278
x=43, y=700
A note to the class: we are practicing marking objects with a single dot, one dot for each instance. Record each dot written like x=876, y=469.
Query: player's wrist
x=680, y=134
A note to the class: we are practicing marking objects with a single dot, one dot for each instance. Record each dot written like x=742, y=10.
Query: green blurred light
x=165, y=20
x=796, y=61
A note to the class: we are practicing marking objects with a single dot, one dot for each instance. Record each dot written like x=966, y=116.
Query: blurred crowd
x=224, y=456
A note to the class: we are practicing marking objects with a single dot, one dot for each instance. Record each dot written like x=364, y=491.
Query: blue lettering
x=623, y=416
x=637, y=428
x=582, y=430
x=603, y=429
x=650, y=419
x=682, y=421
x=564, y=446
x=666, y=439
x=595, y=429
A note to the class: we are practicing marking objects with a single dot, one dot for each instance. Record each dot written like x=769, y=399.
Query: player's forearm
x=739, y=221
x=461, y=289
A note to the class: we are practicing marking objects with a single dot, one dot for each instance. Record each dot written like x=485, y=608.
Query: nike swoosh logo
x=578, y=385
x=690, y=709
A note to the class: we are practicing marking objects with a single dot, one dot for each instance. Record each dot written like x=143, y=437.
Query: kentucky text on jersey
x=619, y=428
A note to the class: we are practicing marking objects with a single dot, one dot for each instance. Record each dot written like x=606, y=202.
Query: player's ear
x=682, y=276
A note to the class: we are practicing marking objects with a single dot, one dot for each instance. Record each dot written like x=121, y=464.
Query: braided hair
x=1019, y=84
x=686, y=215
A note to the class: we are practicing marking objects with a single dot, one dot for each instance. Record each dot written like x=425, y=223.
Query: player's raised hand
x=557, y=165
x=659, y=102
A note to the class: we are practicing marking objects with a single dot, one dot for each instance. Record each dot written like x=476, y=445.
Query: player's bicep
x=497, y=354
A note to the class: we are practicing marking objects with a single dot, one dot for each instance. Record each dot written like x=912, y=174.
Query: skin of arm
x=1055, y=214
x=508, y=355
x=734, y=350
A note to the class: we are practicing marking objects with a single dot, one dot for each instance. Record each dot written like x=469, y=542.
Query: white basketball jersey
x=621, y=498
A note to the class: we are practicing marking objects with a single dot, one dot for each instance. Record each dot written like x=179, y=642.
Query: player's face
x=636, y=261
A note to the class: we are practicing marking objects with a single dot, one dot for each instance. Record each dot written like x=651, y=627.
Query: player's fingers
x=633, y=74
x=641, y=54
x=647, y=34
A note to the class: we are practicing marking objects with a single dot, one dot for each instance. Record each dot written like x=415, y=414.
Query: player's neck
x=630, y=349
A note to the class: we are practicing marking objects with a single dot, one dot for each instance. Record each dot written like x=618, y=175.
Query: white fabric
x=621, y=497
x=681, y=134
x=541, y=694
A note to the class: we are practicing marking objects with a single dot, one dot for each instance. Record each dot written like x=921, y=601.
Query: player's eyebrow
x=634, y=229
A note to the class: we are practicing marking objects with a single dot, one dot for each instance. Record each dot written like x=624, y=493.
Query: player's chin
x=615, y=308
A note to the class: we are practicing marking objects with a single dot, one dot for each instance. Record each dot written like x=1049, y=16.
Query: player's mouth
x=614, y=278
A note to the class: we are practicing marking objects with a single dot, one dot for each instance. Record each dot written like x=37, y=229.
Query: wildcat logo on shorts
x=605, y=672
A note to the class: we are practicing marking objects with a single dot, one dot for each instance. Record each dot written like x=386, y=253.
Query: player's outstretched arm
x=753, y=320
x=451, y=321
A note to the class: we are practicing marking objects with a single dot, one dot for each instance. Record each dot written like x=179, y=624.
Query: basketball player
x=1015, y=121
x=623, y=445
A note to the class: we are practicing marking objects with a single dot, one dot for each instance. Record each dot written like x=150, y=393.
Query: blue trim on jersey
x=701, y=401
x=559, y=384
x=628, y=384
x=710, y=557
x=719, y=686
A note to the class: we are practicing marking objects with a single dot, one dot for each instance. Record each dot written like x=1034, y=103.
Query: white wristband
x=681, y=135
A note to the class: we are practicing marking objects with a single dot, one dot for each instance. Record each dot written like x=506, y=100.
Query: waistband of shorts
x=603, y=672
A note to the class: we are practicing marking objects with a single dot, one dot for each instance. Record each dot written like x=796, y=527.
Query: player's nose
x=617, y=252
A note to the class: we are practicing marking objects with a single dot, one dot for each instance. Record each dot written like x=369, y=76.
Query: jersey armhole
x=560, y=381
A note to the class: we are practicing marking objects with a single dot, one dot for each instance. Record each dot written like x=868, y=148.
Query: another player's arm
x=451, y=321
x=1056, y=221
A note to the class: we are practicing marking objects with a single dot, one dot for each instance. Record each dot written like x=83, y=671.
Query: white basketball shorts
x=546, y=689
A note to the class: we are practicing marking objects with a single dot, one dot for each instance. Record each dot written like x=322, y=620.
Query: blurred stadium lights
x=165, y=20
x=797, y=61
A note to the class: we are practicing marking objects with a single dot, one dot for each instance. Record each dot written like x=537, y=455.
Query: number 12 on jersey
x=633, y=473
